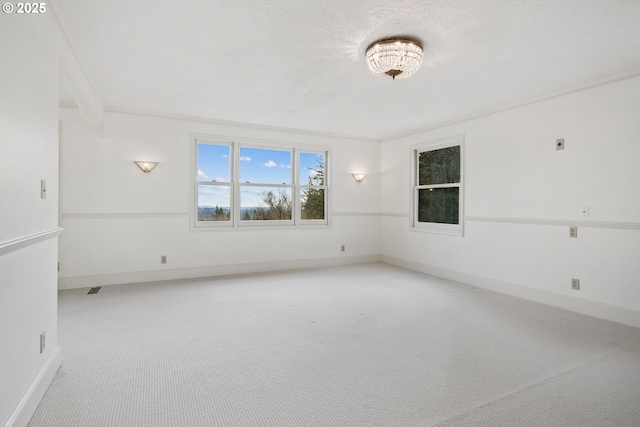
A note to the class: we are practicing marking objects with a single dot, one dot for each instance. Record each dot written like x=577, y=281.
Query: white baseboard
x=25, y=409
x=75, y=282
x=567, y=302
x=579, y=305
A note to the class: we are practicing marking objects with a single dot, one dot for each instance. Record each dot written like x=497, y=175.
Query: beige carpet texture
x=360, y=345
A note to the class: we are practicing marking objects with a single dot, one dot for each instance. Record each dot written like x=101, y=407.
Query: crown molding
x=238, y=124
x=181, y=117
x=593, y=85
x=118, y=110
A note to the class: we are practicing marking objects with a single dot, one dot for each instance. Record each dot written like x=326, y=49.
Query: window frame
x=269, y=223
x=235, y=222
x=230, y=184
x=299, y=187
x=433, y=227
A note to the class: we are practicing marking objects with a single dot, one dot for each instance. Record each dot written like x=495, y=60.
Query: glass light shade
x=395, y=58
x=358, y=176
x=146, y=167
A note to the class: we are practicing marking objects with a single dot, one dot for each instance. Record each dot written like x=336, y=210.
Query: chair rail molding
x=561, y=222
x=12, y=245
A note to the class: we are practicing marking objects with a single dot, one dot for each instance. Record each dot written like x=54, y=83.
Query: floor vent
x=94, y=290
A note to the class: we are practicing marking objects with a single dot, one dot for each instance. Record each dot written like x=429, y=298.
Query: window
x=266, y=185
x=312, y=188
x=437, y=186
x=213, y=178
x=245, y=184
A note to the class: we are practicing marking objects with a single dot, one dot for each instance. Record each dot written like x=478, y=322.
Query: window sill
x=456, y=230
x=258, y=227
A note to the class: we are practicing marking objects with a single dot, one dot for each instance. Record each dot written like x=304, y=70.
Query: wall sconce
x=146, y=167
x=358, y=176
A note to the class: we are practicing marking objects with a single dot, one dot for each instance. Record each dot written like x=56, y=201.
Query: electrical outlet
x=585, y=211
x=560, y=144
x=42, y=343
x=575, y=284
x=163, y=259
x=573, y=231
x=342, y=248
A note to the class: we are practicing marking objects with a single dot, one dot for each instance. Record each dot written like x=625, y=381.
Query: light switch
x=43, y=189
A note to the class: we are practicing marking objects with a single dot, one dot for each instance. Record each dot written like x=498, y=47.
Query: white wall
x=118, y=221
x=28, y=224
x=521, y=196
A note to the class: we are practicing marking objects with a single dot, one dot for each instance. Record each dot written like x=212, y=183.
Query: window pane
x=213, y=163
x=265, y=203
x=438, y=205
x=312, y=167
x=312, y=203
x=439, y=166
x=265, y=166
x=214, y=203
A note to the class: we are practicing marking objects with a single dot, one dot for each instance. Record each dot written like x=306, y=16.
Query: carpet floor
x=359, y=345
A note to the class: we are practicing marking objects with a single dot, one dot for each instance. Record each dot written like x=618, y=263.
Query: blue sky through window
x=310, y=164
x=257, y=166
x=213, y=163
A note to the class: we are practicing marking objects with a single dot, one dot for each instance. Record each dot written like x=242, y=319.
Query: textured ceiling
x=300, y=64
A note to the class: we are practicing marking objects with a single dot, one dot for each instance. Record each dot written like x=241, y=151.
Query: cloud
x=226, y=156
x=213, y=195
x=213, y=190
x=245, y=159
x=203, y=175
x=282, y=165
x=270, y=164
x=313, y=173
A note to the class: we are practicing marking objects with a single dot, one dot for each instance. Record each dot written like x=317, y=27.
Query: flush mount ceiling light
x=397, y=58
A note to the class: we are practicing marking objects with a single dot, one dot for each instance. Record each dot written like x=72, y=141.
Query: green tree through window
x=312, y=199
x=437, y=167
x=274, y=207
x=437, y=186
x=250, y=184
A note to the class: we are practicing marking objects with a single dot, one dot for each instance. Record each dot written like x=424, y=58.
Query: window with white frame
x=312, y=189
x=214, y=189
x=243, y=184
x=266, y=185
x=437, y=186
